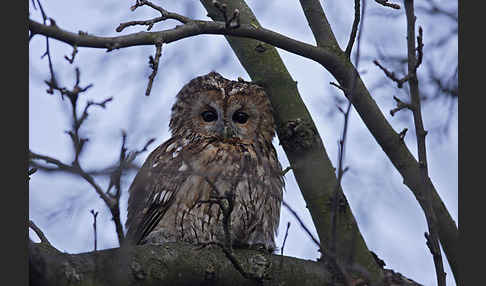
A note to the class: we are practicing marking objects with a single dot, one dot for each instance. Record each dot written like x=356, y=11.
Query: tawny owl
x=221, y=143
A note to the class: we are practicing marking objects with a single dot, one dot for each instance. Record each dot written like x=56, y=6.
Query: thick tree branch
x=174, y=264
x=318, y=23
x=190, y=29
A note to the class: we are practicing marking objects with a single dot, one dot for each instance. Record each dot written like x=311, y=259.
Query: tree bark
x=169, y=264
x=178, y=264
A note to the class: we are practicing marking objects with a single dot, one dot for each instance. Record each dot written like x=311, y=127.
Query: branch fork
x=401, y=105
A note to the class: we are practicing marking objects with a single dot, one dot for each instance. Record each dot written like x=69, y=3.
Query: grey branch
x=354, y=29
x=163, y=265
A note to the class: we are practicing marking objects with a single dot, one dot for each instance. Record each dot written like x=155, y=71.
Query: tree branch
x=174, y=264
x=317, y=20
x=39, y=233
x=354, y=29
x=387, y=4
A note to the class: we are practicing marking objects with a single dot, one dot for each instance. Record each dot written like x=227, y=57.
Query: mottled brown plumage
x=221, y=141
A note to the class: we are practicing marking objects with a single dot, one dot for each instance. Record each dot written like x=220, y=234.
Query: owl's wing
x=152, y=193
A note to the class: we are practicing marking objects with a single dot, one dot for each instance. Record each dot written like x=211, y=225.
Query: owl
x=220, y=144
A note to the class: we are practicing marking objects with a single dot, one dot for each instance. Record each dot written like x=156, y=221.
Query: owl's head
x=212, y=106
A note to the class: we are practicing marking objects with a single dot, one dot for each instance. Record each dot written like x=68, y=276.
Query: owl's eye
x=240, y=117
x=209, y=116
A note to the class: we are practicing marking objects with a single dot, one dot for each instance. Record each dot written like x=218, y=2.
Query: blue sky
x=388, y=215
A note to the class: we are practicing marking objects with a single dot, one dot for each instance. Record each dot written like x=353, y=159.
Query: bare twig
x=149, y=23
x=354, y=29
x=53, y=81
x=400, y=105
x=413, y=71
x=332, y=253
x=39, y=233
x=90, y=103
x=413, y=63
x=392, y=75
x=340, y=173
x=125, y=160
x=302, y=224
x=154, y=65
x=78, y=143
x=165, y=15
x=75, y=170
x=386, y=4
x=73, y=54
x=285, y=238
x=95, y=214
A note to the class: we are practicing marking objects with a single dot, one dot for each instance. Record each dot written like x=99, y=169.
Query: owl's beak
x=225, y=132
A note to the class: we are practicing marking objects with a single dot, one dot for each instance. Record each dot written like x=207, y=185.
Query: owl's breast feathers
x=164, y=203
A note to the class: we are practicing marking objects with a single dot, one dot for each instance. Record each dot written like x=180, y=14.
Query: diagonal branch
x=302, y=224
x=318, y=23
x=354, y=29
x=39, y=233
